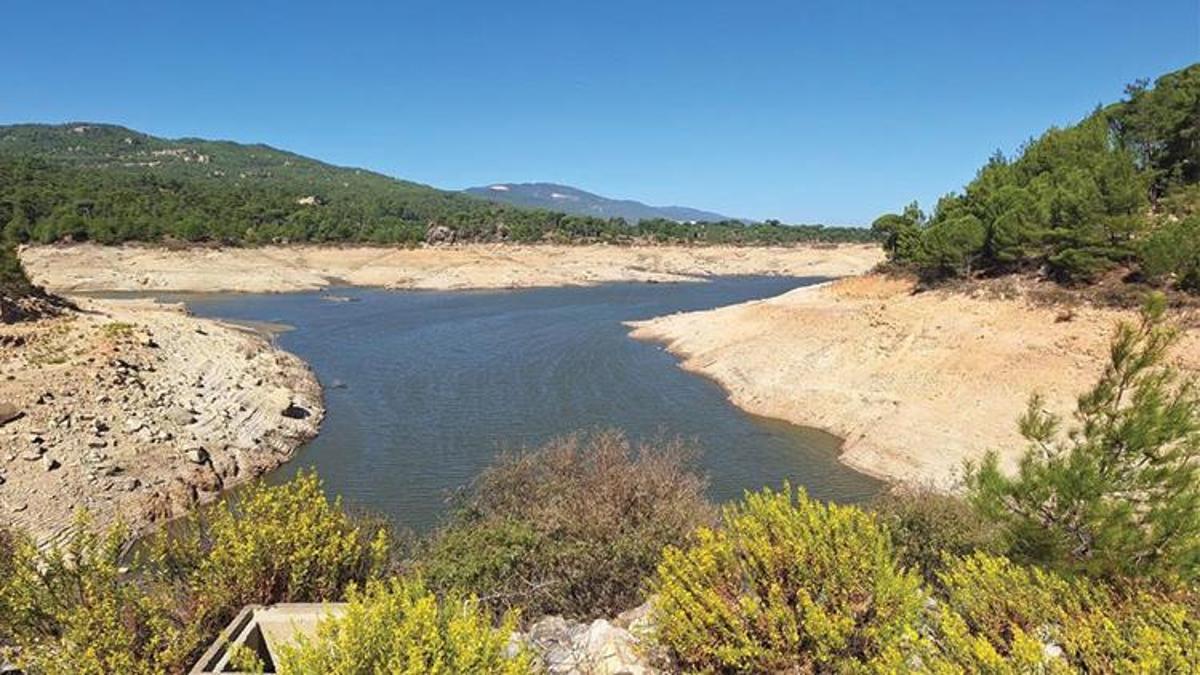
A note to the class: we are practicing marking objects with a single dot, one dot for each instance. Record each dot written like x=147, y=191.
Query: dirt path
x=66, y=269
x=916, y=384
x=138, y=411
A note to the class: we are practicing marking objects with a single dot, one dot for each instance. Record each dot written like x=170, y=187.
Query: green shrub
x=926, y=524
x=572, y=528
x=1172, y=253
x=1119, y=496
x=401, y=627
x=788, y=584
x=1000, y=617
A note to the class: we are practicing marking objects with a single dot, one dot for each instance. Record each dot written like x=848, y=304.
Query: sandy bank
x=139, y=411
x=297, y=268
x=916, y=384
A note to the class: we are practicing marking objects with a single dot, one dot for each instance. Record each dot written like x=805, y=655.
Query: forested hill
x=110, y=184
x=555, y=197
x=1115, y=196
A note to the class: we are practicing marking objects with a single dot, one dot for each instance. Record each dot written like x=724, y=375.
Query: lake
x=423, y=388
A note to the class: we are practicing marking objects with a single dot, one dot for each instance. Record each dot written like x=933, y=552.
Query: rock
x=9, y=413
x=599, y=648
x=133, y=425
x=2, y=479
x=97, y=443
x=610, y=650
x=196, y=455
x=440, y=234
x=180, y=416
x=636, y=620
x=45, y=398
x=94, y=457
x=49, y=463
x=295, y=412
x=35, y=439
x=33, y=454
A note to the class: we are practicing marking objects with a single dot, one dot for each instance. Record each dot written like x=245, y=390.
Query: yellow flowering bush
x=277, y=544
x=75, y=608
x=72, y=609
x=788, y=584
x=998, y=616
x=400, y=627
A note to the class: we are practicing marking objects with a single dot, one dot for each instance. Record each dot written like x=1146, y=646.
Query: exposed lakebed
x=424, y=388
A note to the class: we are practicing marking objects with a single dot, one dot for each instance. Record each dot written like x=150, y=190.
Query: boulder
x=196, y=455
x=9, y=413
x=598, y=648
x=610, y=650
x=180, y=416
x=440, y=234
x=295, y=412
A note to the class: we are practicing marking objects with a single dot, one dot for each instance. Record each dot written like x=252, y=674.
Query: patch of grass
x=117, y=329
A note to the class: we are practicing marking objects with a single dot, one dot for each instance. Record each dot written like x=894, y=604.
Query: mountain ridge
x=569, y=199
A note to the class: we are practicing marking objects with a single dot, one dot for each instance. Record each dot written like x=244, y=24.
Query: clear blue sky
x=804, y=111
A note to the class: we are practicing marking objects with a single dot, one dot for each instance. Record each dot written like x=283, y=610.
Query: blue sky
x=804, y=111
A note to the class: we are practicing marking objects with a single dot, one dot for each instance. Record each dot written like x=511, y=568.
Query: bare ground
x=86, y=267
x=138, y=411
x=916, y=384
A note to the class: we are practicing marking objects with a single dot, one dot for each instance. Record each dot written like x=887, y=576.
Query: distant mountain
x=567, y=199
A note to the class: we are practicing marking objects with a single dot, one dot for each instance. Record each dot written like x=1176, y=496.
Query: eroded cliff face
x=138, y=412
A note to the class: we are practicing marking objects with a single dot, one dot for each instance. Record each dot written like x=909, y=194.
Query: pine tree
x=1119, y=495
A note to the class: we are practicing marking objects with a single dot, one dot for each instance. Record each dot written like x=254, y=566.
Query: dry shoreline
x=139, y=412
x=270, y=269
x=915, y=384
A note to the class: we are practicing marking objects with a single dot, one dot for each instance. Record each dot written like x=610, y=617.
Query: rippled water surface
x=424, y=388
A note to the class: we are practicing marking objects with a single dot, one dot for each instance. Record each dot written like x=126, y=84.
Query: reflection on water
x=424, y=388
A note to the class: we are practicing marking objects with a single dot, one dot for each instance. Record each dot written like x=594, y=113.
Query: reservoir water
x=424, y=388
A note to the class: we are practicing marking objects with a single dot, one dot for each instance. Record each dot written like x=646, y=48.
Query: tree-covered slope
x=1120, y=189
x=110, y=184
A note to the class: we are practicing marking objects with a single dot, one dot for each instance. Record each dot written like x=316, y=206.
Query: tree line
x=110, y=185
x=1118, y=190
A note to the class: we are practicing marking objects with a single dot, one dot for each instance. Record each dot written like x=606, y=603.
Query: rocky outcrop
x=139, y=412
x=601, y=647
